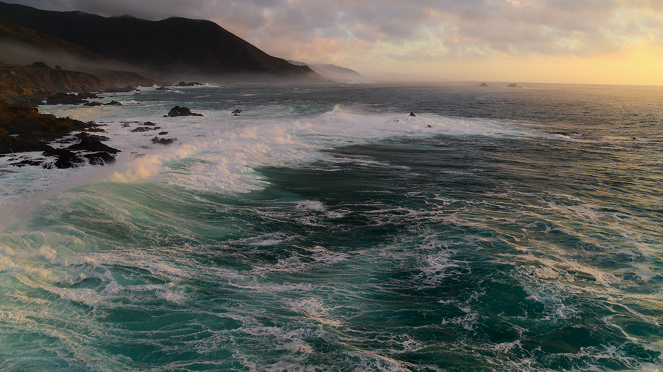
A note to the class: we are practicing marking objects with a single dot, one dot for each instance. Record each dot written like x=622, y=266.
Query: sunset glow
x=585, y=41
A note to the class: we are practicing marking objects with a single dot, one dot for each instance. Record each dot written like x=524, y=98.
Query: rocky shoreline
x=24, y=129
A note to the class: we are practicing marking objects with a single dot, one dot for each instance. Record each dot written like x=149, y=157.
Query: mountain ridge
x=172, y=46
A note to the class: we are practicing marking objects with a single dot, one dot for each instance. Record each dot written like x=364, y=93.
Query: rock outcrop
x=24, y=129
x=191, y=84
x=181, y=111
x=69, y=98
x=163, y=141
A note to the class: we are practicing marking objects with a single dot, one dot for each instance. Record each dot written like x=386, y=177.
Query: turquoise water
x=324, y=229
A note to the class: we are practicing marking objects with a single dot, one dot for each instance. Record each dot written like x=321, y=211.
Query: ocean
x=326, y=229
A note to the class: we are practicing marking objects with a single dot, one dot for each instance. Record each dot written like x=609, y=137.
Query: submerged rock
x=65, y=158
x=181, y=111
x=163, y=141
x=100, y=158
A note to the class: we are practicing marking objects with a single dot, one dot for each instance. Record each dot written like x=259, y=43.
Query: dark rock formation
x=65, y=158
x=21, y=143
x=162, y=89
x=100, y=158
x=113, y=103
x=191, y=84
x=69, y=98
x=141, y=129
x=92, y=144
x=181, y=111
x=412, y=114
x=93, y=104
x=512, y=86
x=17, y=120
x=163, y=133
x=24, y=129
x=483, y=85
x=163, y=141
x=237, y=111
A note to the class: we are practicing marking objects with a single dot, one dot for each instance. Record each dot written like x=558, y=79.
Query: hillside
x=22, y=46
x=21, y=83
x=170, y=46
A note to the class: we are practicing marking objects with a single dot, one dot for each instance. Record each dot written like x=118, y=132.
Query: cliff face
x=19, y=82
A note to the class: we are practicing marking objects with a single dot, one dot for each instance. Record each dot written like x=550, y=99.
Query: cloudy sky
x=559, y=41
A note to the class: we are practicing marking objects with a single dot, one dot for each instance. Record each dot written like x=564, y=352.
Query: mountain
x=22, y=46
x=337, y=72
x=171, y=46
x=332, y=71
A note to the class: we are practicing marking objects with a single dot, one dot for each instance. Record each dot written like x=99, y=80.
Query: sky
x=544, y=41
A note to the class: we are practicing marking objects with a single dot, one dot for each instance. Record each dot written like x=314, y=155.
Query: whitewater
x=323, y=228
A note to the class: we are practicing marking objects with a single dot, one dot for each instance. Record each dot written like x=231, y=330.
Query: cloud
x=453, y=29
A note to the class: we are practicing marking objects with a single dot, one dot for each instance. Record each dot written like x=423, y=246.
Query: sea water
x=326, y=229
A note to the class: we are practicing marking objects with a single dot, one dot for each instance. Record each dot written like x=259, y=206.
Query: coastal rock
x=512, y=86
x=162, y=88
x=163, y=141
x=484, y=85
x=113, y=103
x=65, y=99
x=99, y=158
x=93, y=104
x=181, y=111
x=65, y=158
x=191, y=84
x=142, y=129
x=412, y=114
x=237, y=111
x=25, y=129
x=21, y=143
x=92, y=144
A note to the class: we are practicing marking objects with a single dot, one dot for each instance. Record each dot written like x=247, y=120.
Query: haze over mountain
x=170, y=47
x=332, y=71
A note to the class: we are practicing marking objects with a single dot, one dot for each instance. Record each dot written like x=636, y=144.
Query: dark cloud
x=456, y=28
